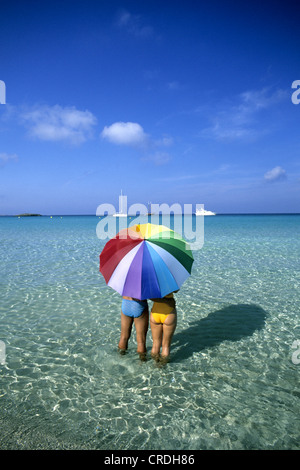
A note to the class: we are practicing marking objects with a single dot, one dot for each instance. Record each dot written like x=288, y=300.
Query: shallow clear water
x=231, y=382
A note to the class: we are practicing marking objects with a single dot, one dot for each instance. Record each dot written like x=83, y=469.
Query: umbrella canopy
x=146, y=261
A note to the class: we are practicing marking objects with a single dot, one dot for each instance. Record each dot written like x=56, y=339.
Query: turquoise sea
x=233, y=380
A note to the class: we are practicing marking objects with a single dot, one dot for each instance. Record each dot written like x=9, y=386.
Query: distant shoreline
x=28, y=215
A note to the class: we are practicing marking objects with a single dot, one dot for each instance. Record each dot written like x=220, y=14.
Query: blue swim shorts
x=133, y=308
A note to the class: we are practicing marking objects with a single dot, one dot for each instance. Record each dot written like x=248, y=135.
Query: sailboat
x=149, y=209
x=120, y=213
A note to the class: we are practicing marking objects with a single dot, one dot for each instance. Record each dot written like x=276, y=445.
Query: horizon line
x=143, y=215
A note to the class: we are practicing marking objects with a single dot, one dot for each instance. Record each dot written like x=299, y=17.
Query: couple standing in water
x=163, y=320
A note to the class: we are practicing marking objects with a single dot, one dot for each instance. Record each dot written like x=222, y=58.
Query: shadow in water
x=230, y=323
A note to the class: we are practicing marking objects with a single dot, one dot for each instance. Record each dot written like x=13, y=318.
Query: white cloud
x=165, y=141
x=5, y=157
x=56, y=123
x=158, y=158
x=125, y=133
x=132, y=134
x=259, y=99
x=227, y=131
x=173, y=85
x=239, y=119
x=133, y=24
x=275, y=174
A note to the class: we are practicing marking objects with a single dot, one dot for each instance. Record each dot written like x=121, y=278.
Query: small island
x=28, y=215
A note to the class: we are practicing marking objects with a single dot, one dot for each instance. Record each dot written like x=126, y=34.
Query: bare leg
x=157, y=333
x=169, y=327
x=126, y=327
x=141, y=326
x=162, y=334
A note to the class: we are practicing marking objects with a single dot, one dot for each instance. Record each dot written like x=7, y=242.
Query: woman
x=134, y=310
x=163, y=321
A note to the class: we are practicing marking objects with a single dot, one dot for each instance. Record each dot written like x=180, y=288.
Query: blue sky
x=172, y=102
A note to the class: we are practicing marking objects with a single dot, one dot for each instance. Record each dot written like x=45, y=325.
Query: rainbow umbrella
x=146, y=261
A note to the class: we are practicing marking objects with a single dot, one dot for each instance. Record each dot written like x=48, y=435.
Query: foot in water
x=121, y=351
x=156, y=357
x=143, y=357
x=164, y=359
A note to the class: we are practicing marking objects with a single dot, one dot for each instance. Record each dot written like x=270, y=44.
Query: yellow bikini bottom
x=162, y=308
x=160, y=317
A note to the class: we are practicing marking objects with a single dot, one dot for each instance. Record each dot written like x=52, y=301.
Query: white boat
x=121, y=213
x=204, y=212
